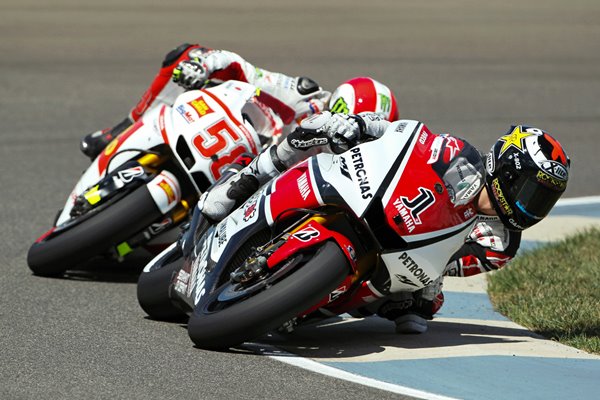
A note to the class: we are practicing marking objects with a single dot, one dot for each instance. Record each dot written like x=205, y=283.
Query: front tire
x=153, y=293
x=97, y=233
x=271, y=307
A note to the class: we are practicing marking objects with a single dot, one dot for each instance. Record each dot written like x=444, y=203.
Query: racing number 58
x=217, y=142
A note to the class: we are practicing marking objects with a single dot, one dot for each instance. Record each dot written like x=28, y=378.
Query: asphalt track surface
x=69, y=67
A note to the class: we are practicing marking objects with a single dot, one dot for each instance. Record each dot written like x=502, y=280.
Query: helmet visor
x=535, y=200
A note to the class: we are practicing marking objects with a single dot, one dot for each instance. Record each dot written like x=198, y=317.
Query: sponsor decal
x=423, y=137
x=361, y=173
x=499, y=195
x=199, y=273
x=181, y=281
x=515, y=224
x=410, y=209
x=337, y=293
x=111, y=147
x=129, y=174
x=472, y=190
x=250, y=208
x=385, y=102
x=164, y=185
x=222, y=233
x=304, y=144
x=452, y=146
x=401, y=126
x=158, y=227
x=352, y=252
x=469, y=212
x=555, y=169
x=200, y=106
x=436, y=148
x=516, y=139
x=490, y=163
x=414, y=268
x=404, y=279
x=306, y=234
x=340, y=106
x=551, y=181
x=303, y=186
x=185, y=114
x=516, y=160
x=344, y=167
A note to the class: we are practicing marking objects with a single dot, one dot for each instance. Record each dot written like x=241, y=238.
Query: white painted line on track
x=578, y=201
x=310, y=365
x=314, y=366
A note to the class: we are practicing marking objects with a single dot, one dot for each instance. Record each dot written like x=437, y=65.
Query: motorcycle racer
x=512, y=188
x=189, y=67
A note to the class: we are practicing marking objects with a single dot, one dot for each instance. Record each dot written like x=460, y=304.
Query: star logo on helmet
x=515, y=139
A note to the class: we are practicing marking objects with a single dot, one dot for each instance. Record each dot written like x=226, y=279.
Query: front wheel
x=153, y=291
x=217, y=325
x=96, y=233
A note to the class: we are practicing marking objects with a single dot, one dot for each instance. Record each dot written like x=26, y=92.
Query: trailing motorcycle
x=328, y=236
x=145, y=181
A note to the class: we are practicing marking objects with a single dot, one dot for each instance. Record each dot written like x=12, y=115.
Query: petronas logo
x=340, y=106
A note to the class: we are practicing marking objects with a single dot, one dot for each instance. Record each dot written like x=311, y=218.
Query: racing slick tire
x=212, y=327
x=110, y=225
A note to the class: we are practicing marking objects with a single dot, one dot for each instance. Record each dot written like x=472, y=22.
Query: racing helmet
x=526, y=173
x=364, y=94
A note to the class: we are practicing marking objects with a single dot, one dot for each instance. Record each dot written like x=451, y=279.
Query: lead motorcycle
x=145, y=181
x=329, y=235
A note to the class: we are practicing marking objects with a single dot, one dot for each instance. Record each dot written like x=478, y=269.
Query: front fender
x=311, y=234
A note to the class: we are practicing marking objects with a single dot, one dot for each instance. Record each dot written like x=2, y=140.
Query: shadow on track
x=345, y=338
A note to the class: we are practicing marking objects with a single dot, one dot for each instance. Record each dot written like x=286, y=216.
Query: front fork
x=311, y=232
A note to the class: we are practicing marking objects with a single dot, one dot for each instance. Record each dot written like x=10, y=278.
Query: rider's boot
x=221, y=198
x=92, y=144
x=411, y=315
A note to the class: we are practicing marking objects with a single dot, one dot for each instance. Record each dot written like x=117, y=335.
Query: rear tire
x=271, y=307
x=108, y=227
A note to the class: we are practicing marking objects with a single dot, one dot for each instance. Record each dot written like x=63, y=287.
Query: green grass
x=555, y=291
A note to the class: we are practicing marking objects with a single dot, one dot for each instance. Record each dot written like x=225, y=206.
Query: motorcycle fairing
x=312, y=233
x=166, y=125
x=428, y=226
x=143, y=134
x=212, y=123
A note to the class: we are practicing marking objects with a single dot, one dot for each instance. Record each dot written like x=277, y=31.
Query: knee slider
x=307, y=85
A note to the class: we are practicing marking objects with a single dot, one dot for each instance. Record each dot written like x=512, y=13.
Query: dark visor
x=535, y=200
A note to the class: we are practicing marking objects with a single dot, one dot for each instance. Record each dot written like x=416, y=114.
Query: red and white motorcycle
x=146, y=180
x=329, y=235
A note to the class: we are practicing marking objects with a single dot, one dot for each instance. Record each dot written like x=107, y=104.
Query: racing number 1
x=217, y=142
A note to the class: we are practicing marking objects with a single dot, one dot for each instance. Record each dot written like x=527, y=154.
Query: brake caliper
x=253, y=268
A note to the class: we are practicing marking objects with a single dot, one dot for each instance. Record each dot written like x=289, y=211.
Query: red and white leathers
x=292, y=98
x=488, y=246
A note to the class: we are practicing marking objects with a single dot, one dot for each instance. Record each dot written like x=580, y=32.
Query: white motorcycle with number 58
x=145, y=181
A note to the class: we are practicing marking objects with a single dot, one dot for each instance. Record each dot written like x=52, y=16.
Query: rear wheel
x=221, y=322
x=96, y=233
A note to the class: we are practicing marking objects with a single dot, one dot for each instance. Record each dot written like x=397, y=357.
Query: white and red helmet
x=364, y=94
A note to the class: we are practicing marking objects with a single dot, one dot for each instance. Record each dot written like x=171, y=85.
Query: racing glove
x=191, y=74
x=340, y=131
